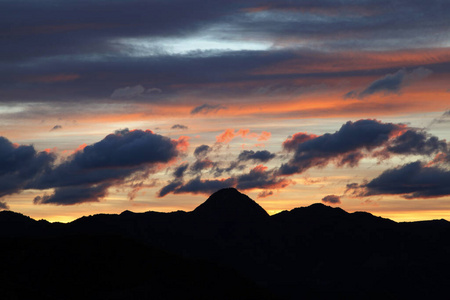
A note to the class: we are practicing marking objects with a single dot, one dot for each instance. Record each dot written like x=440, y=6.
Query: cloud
x=262, y=178
x=265, y=135
x=56, y=127
x=261, y=156
x=257, y=178
x=233, y=165
x=201, y=164
x=153, y=90
x=128, y=92
x=117, y=49
x=201, y=151
x=3, y=205
x=71, y=195
x=94, y=169
x=344, y=147
x=444, y=118
x=179, y=171
x=391, y=83
x=265, y=194
x=169, y=188
x=206, y=108
x=415, y=142
x=230, y=134
x=293, y=142
x=197, y=186
x=179, y=126
x=88, y=33
x=350, y=95
x=331, y=199
x=20, y=164
x=53, y=78
x=411, y=181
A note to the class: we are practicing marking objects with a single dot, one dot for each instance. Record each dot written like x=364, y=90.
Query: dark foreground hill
x=227, y=248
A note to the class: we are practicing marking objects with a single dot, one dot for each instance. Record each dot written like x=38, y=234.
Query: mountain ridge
x=308, y=252
x=207, y=208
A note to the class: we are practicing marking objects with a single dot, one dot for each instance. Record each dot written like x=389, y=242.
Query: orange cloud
x=229, y=134
x=80, y=148
x=183, y=143
x=298, y=138
x=226, y=136
x=259, y=168
x=265, y=135
x=49, y=150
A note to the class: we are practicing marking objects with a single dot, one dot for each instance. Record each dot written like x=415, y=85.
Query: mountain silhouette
x=226, y=248
x=229, y=204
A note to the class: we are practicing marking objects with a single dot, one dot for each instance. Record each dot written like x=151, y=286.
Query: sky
x=117, y=105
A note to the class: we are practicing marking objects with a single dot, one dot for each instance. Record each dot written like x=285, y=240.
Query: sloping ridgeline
x=227, y=248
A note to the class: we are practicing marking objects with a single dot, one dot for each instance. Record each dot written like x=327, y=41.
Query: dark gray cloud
x=129, y=92
x=56, y=127
x=179, y=126
x=210, y=71
x=265, y=194
x=75, y=194
x=331, y=199
x=391, y=83
x=99, y=166
x=63, y=28
x=206, y=108
x=201, y=151
x=232, y=166
x=260, y=177
x=257, y=178
x=197, y=186
x=53, y=51
x=344, y=147
x=20, y=164
x=260, y=155
x=179, y=171
x=411, y=181
x=417, y=142
x=3, y=205
x=108, y=71
x=202, y=164
x=169, y=188
x=444, y=118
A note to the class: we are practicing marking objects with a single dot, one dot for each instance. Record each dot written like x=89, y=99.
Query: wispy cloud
x=391, y=83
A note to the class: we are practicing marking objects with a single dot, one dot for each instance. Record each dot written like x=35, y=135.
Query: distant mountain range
x=227, y=248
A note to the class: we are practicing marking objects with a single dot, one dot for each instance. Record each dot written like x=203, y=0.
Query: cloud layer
x=344, y=147
x=411, y=181
x=131, y=156
x=391, y=83
x=20, y=164
x=88, y=173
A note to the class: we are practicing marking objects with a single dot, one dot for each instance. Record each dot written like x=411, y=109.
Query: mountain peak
x=230, y=204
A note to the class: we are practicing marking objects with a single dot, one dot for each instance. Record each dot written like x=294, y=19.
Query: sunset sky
x=118, y=105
